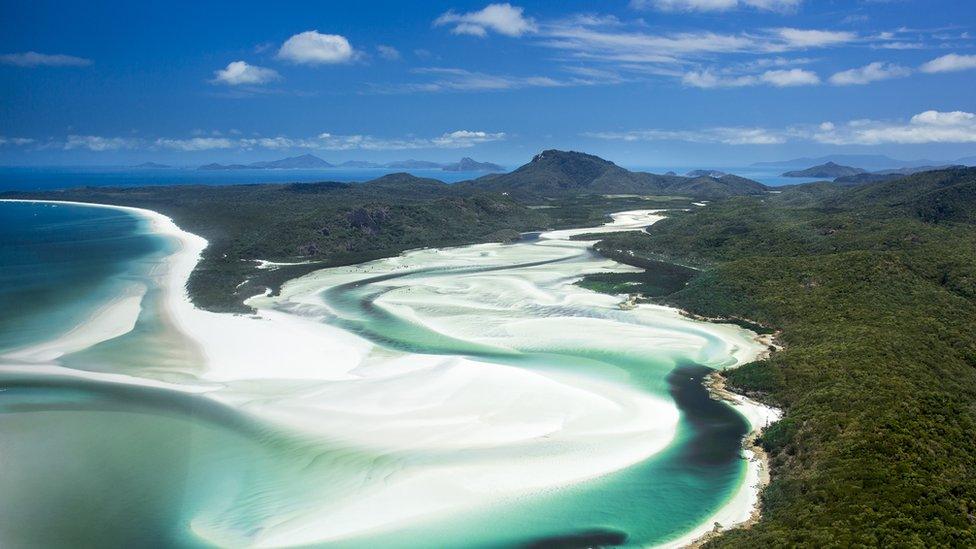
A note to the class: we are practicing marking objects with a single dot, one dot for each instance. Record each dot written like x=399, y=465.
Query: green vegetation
x=874, y=289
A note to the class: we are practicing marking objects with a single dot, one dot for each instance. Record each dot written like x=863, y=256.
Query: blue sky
x=642, y=82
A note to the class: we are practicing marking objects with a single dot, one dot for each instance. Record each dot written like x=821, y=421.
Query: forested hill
x=936, y=196
x=874, y=289
x=555, y=173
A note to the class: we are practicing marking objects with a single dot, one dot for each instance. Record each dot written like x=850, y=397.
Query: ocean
x=62, y=177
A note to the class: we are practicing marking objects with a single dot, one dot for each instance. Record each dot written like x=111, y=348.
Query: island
x=829, y=170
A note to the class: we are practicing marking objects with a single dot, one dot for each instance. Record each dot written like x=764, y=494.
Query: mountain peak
x=555, y=173
x=551, y=155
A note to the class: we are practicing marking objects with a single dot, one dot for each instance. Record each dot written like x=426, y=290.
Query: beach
x=453, y=380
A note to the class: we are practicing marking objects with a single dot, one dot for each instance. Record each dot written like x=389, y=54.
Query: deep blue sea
x=43, y=178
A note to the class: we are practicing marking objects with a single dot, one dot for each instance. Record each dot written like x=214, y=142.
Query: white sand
x=541, y=428
x=111, y=320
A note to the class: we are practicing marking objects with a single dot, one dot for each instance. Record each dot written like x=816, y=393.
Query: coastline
x=225, y=365
x=745, y=507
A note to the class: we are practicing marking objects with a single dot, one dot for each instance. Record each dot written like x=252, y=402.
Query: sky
x=640, y=82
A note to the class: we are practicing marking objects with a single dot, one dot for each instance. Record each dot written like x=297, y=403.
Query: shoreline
x=758, y=466
x=225, y=365
x=758, y=470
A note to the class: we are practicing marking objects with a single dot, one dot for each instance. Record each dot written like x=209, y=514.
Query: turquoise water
x=87, y=462
x=61, y=262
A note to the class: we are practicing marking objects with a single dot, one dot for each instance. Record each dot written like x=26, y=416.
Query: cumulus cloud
x=388, y=52
x=950, y=63
x=501, y=18
x=721, y=135
x=871, y=72
x=34, y=59
x=925, y=127
x=466, y=138
x=716, y=5
x=237, y=73
x=314, y=48
x=790, y=77
x=779, y=78
x=98, y=143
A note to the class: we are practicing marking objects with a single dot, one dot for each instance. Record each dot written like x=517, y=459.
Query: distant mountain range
x=554, y=173
x=312, y=162
x=866, y=161
x=830, y=170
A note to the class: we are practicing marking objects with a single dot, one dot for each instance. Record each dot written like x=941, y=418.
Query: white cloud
x=925, y=127
x=276, y=143
x=806, y=38
x=239, y=72
x=98, y=143
x=899, y=46
x=388, y=52
x=15, y=141
x=871, y=72
x=501, y=18
x=34, y=59
x=452, y=140
x=716, y=5
x=466, y=138
x=458, y=139
x=314, y=48
x=454, y=79
x=950, y=63
x=779, y=78
x=708, y=79
x=635, y=45
x=790, y=77
x=721, y=135
x=196, y=143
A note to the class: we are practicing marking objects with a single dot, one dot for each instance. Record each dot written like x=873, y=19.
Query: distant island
x=866, y=161
x=470, y=165
x=704, y=173
x=303, y=162
x=312, y=162
x=152, y=166
x=829, y=170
